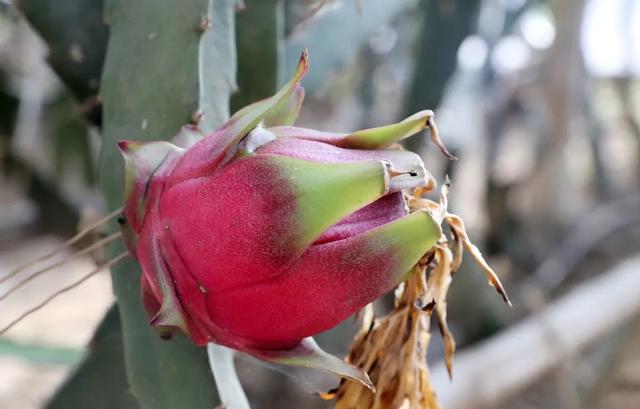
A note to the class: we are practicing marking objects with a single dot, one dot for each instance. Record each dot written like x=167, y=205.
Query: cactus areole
x=263, y=234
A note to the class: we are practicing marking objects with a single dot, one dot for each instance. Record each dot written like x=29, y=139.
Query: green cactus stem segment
x=159, y=69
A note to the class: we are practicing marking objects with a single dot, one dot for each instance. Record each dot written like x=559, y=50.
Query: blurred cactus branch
x=259, y=38
x=559, y=83
x=600, y=225
x=325, y=35
x=506, y=231
x=623, y=87
x=602, y=182
x=59, y=215
x=77, y=38
x=445, y=24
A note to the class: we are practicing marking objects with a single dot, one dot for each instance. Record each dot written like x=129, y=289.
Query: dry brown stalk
x=393, y=349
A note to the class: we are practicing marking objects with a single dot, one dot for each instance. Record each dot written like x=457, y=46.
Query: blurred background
x=538, y=99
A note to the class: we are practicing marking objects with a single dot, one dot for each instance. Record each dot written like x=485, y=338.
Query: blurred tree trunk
x=480, y=314
x=559, y=82
x=445, y=25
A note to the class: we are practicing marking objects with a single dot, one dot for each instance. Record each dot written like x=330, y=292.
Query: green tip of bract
x=308, y=354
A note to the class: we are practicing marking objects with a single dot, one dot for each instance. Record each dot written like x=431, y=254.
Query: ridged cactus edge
x=165, y=67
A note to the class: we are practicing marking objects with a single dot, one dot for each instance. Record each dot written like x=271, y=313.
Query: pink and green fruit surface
x=263, y=234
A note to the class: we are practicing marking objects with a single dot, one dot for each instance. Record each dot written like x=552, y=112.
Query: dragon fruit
x=261, y=234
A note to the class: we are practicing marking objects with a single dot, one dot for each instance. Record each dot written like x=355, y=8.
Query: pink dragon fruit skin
x=262, y=234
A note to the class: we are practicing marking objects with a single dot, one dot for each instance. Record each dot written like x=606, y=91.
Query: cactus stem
x=174, y=81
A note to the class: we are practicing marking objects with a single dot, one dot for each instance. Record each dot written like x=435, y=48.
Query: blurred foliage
x=334, y=37
x=76, y=34
x=69, y=137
